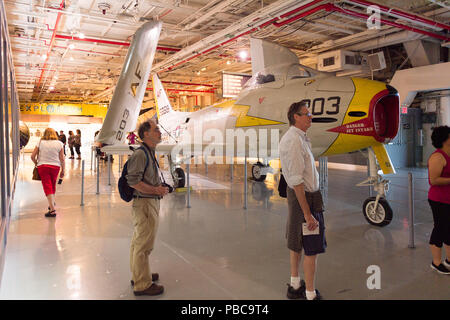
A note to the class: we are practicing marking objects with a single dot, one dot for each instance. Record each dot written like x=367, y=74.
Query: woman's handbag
x=36, y=174
x=35, y=170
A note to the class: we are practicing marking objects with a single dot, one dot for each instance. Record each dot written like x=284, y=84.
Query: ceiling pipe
x=328, y=7
x=117, y=43
x=184, y=90
x=401, y=14
x=188, y=84
x=52, y=42
x=332, y=7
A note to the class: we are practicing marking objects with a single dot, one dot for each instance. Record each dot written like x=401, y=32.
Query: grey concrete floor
x=216, y=249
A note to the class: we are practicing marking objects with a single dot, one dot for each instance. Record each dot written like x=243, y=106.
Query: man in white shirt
x=304, y=202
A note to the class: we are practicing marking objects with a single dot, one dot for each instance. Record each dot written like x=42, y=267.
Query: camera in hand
x=167, y=186
x=60, y=181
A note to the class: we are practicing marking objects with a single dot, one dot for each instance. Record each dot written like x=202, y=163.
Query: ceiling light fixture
x=228, y=62
x=44, y=56
x=203, y=69
x=51, y=88
x=81, y=35
x=243, y=54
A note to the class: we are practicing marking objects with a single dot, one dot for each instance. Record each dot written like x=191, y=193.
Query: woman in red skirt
x=48, y=155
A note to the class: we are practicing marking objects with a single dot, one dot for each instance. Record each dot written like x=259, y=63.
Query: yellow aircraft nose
x=373, y=112
x=371, y=118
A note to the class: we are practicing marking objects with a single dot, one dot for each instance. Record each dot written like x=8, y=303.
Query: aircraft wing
x=119, y=149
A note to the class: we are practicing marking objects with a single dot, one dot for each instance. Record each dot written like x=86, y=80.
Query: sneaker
x=318, y=296
x=50, y=214
x=296, y=294
x=447, y=264
x=153, y=290
x=155, y=277
x=440, y=268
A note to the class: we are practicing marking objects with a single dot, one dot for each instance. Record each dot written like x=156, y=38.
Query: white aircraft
x=349, y=114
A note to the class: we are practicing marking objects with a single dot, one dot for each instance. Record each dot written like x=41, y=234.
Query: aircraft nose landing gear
x=382, y=215
x=376, y=210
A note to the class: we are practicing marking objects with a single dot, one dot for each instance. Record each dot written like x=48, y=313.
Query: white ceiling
x=199, y=39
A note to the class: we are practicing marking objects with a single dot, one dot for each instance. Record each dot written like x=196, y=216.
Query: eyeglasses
x=304, y=114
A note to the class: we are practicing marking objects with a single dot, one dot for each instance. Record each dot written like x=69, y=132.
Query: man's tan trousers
x=145, y=220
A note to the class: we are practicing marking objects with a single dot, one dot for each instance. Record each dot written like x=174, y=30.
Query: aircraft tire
x=180, y=178
x=256, y=172
x=383, y=215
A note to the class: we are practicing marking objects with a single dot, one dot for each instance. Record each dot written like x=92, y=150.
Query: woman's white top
x=49, y=152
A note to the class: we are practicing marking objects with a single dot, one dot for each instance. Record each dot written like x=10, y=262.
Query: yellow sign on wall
x=66, y=109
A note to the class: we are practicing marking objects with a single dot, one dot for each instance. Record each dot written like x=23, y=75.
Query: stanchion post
x=231, y=169
x=245, y=183
x=98, y=174
x=82, y=183
x=206, y=164
x=109, y=169
x=188, y=186
x=411, y=210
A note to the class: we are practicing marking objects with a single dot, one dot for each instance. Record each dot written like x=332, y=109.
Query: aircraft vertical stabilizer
x=164, y=110
x=266, y=54
x=126, y=102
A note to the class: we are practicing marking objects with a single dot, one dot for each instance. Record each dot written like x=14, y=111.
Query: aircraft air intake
x=386, y=117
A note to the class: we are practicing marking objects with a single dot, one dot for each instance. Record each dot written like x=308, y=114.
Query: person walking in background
x=62, y=138
x=439, y=198
x=71, y=142
x=131, y=138
x=49, y=158
x=77, y=143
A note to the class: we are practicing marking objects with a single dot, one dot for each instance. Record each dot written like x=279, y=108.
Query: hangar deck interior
x=60, y=65
x=216, y=249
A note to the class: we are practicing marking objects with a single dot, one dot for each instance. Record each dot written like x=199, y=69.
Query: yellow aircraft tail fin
x=383, y=158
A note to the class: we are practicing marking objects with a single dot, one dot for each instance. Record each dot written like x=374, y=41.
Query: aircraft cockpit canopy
x=276, y=77
x=297, y=71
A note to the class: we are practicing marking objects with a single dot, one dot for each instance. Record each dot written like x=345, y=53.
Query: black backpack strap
x=158, y=169
x=148, y=160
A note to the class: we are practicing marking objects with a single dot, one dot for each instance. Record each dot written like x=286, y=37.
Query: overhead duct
x=409, y=82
